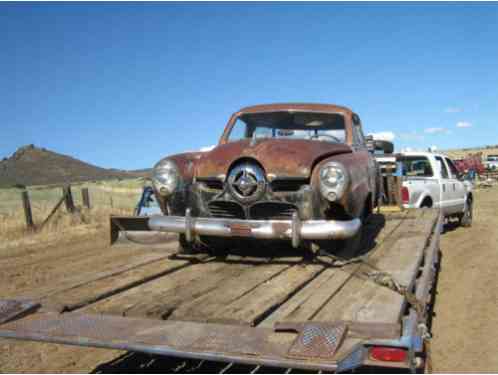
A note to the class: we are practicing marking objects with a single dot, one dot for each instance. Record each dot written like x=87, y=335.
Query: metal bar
x=226, y=368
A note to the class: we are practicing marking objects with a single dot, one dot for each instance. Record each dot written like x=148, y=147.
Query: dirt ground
x=465, y=325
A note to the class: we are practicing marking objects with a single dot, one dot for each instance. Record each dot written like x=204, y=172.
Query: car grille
x=226, y=209
x=212, y=183
x=293, y=184
x=272, y=211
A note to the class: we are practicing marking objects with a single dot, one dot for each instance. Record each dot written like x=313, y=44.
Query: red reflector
x=382, y=353
x=405, y=195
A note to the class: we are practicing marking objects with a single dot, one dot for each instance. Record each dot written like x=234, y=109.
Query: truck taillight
x=387, y=354
x=405, y=195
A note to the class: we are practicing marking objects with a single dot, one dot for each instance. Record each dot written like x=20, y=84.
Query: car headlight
x=333, y=180
x=165, y=177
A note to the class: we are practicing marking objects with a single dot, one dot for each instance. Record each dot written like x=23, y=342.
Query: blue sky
x=122, y=85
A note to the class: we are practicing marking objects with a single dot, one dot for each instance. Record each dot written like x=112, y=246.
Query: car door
x=457, y=188
x=444, y=186
x=360, y=146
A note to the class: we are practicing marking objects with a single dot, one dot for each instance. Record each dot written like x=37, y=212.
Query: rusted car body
x=299, y=172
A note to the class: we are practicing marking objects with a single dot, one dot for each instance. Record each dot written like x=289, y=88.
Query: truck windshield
x=291, y=125
x=416, y=166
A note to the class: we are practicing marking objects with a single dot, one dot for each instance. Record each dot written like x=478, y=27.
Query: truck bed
x=258, y=306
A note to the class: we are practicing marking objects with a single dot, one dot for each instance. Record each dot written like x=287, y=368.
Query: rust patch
x=240, y=230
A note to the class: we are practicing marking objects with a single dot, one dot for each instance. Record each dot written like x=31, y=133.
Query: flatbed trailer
x=269, y=307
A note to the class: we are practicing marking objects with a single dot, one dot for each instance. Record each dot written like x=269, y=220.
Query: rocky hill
x=31, y=165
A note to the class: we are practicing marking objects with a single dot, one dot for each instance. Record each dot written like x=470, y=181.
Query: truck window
x=416, y=166
x=453, y=169
x=444, y=170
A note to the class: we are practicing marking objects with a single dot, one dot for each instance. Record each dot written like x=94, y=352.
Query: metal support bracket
x=189, y=225
x=295, y=230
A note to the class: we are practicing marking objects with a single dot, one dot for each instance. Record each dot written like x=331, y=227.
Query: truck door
x=444, y=186
x=457, y=187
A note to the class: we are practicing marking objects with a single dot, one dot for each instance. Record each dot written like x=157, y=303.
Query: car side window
x=358, y=137
x=444, y=170
x=238, y=132
x=453, y=169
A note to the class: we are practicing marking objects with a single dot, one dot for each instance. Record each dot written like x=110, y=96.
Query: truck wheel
x=467, y=216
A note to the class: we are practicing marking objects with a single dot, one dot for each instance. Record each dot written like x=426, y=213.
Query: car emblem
x=247, y=182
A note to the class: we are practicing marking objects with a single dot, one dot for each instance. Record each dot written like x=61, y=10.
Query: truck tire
x=468, y=214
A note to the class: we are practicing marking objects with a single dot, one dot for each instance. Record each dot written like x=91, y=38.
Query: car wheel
x=185, y=247
x=351, y=247
x=467, y=216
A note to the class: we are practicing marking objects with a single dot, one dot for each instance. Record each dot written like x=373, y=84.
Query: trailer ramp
x=278, y=311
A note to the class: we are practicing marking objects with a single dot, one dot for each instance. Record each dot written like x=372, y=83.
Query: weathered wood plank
x=310, y=299
x=256, y=305
x=362, y=299
x=72, y=276
x=92, y=291
x=207, y=306
x=162, y=304
x=126, y=300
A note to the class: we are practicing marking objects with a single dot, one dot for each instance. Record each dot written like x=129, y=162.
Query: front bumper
x=294, y=230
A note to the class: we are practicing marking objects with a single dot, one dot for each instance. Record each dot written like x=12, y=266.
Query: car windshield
x=416, y=166
x=291, y=125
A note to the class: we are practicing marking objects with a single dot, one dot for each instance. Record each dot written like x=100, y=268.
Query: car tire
x=351, y=247
x=468, y=214
x=185, y=247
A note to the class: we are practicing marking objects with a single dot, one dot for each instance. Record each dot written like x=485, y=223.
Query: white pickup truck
x=491, y=162
x=432, y=180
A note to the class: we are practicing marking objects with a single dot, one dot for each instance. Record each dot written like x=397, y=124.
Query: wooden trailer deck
x=205, y=307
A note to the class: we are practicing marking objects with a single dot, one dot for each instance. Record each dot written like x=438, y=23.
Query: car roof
x=312, y=107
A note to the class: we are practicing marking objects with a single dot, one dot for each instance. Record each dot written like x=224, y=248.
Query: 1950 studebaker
x=300, y=173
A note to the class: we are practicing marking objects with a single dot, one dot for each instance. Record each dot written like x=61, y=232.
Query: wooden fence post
x=85, y=197
x=68, y=199
x=27, y=210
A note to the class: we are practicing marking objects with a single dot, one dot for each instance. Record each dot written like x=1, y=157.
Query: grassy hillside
x=31, y=165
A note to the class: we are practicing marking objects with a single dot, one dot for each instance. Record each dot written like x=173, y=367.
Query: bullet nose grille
x=226, y=209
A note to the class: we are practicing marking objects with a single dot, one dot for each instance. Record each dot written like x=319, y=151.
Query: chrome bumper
x=294, y=230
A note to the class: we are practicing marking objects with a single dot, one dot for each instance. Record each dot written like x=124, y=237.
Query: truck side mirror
x=370, y=143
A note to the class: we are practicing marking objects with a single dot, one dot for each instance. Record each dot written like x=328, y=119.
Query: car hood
x=281, y=157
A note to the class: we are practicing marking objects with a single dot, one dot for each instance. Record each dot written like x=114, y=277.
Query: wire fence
x=30, y=208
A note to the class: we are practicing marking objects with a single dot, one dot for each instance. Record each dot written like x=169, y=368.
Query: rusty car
x=300, y=173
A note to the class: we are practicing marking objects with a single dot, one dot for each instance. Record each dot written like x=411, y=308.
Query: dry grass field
x=462, y=153
x=107, y=197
